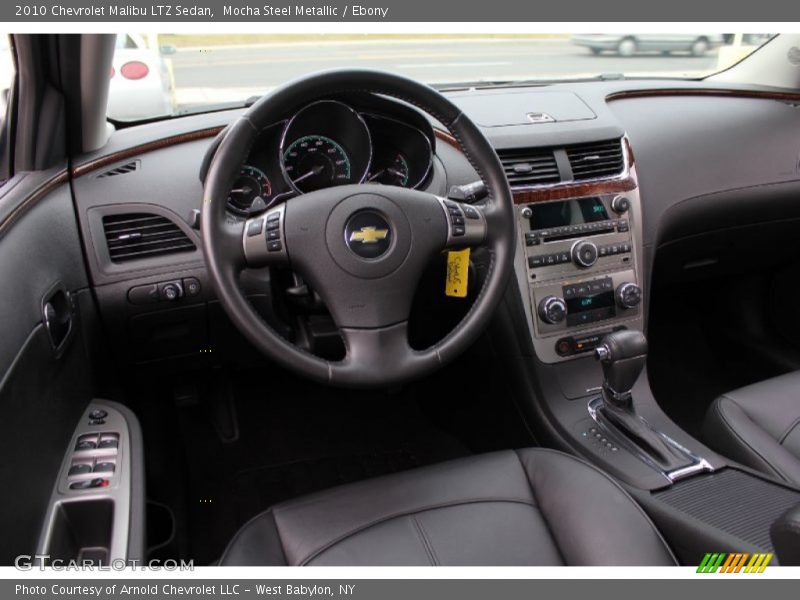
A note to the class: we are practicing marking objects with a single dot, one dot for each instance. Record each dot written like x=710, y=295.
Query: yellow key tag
x=457, y=273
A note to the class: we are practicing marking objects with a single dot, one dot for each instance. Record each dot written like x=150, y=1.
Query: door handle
x=57, y=316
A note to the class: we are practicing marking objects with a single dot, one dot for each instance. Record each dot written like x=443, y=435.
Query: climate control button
x=584, y=254
x=552, y=309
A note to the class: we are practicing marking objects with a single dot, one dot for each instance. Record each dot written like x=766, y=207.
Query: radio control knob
x=584, y=254
x=629, y=295
x=526, y=212
x=620, y=204
x=552, y=309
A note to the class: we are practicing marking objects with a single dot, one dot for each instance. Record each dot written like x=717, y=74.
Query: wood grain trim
x=573, y=190
x=40, y=192
x=447, y=138
x=727, y=93
x=174, y=140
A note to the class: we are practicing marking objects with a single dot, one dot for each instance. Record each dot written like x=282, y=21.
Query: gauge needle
x=244, y=190
x=390, y=171
x=315, y=171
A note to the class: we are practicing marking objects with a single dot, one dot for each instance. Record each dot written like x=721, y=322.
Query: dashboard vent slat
x=529, y=166
x=142, y=235
x=596, y=159
x=129, y=167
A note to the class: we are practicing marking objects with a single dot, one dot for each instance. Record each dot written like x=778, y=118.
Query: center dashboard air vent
x=529, y=166
x=596, y=159
x=540, y=166
x=134, y=236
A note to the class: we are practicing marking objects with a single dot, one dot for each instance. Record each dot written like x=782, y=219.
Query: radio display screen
x=568, y=212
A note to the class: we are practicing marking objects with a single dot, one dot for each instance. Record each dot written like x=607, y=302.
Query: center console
x=581, y=268
x=580, y=273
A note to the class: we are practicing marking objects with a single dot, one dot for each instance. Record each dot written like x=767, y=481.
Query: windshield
x=161, y=75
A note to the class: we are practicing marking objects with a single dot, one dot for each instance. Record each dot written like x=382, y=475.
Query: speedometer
x=313, y=162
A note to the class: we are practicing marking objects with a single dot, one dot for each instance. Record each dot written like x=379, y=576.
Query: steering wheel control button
x=255, y=227
x=471, y=213
x=368, y=234
x=457, y=227
x=584, y=253
x=274, y=246
x=273, y=235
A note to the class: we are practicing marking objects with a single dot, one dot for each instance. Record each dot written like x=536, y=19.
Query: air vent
x=527, y=166
x=121, y=170
x=597, y=159
x=142, y=235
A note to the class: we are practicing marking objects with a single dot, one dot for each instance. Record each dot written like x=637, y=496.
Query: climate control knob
x=584, y=254
x=629, y=295
x=552, y=309
x=620, y=204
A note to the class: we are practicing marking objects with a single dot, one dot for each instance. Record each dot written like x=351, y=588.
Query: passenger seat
x=759, y=426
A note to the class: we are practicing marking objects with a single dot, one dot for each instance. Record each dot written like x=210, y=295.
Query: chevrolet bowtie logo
x=369, y=235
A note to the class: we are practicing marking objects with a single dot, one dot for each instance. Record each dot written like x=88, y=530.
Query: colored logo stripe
x=734, y=562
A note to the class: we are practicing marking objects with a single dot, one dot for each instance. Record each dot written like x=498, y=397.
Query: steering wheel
x=363, y=248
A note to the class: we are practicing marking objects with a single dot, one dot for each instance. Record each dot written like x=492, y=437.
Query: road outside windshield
x=160, y=75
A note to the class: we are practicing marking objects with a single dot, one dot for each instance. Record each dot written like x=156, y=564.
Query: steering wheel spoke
x=375, y=356
x=466, y=224
x=264, y=238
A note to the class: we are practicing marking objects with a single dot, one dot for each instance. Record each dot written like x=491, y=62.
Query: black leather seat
x=530, y=507
x=759, y=426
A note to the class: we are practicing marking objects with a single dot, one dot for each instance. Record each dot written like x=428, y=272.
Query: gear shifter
x=622, y=355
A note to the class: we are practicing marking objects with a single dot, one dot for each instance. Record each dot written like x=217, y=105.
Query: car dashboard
x=596, y=169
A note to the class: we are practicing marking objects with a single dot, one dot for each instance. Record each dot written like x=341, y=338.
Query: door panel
x=43, y=391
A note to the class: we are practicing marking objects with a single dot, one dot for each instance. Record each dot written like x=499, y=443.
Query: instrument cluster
x=328, y=143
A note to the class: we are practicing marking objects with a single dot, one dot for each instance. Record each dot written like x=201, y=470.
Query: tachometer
x=250, y=192
x=316, y=161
